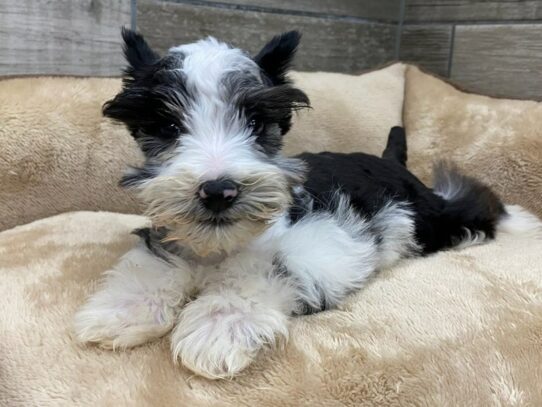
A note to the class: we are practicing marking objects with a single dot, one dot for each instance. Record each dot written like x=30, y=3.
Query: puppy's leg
x=396, y=148
x=302, y=268
x=244, y=306
x=328, y=255
x=138, y=301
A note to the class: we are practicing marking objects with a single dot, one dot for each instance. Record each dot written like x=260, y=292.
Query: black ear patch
x=276, y=56
x=137, y=52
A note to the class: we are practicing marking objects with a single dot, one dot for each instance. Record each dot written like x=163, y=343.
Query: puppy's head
x=210, y=120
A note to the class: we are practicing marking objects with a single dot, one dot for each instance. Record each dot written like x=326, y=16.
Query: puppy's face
x=210, y=121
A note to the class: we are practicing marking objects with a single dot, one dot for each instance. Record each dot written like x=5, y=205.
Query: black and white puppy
x=242, y=238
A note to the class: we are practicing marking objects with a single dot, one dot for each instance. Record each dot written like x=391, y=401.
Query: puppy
x=243, y=238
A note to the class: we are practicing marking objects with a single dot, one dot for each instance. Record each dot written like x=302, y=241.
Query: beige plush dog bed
x=58, y=153
x=456, y=328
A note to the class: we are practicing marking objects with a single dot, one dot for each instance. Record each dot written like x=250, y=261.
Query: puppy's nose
x=218, y=195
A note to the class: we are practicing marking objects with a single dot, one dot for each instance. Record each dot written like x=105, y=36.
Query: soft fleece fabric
x=457, y=328
x=58, y=154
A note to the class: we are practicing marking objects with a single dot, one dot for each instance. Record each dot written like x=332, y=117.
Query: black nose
x=218, y=195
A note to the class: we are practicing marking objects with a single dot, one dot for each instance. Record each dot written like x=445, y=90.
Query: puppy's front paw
x=119, y=324
x=139, y=300
x=121, y=328
x=217, y=338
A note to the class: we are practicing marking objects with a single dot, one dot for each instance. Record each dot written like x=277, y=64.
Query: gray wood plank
x=427, y=46
x=62, y=36
x=370, y=9
x=472, y=10
x=327, y=44
x=502, y=60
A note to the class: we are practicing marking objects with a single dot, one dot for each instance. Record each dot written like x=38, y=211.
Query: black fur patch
x=154, y=240
x=280, y=270
x=152, y=101
x=307, y=309
x=277, y=55
x=268, y=106
x=137, y=175
x=473, y=206
x=138, y=54
x=396, y=147
x=370, y=182
x=154, y=97
x=302, y=205
x=152, y=108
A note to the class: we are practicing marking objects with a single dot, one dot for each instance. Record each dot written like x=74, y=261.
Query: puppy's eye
x=255, y=125
x=169, y=131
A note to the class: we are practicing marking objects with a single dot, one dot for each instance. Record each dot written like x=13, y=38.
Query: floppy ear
x=276, y=56
x=137, y=51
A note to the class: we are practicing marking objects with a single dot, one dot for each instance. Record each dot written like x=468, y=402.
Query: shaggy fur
x=260, y=237
x=53, y=132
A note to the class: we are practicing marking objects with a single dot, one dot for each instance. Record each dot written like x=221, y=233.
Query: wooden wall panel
x=62, y=37
x=472, y=10
x=427, y=46
x=503, y=60
x=495, y=47
x=387, y=10
x=328, y=44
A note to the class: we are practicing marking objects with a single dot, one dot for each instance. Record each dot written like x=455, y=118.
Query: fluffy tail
x=519, y=221
x=472, y=212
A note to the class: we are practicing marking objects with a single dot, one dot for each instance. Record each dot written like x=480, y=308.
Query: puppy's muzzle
x=218, y=195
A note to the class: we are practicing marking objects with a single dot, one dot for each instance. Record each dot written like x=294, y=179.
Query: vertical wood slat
x=62, y=36
x=427, y=46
